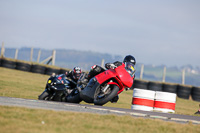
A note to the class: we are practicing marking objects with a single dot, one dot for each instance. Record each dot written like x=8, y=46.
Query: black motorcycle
x=57, y=88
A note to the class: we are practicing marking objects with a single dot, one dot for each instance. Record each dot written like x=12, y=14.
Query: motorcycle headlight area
x=49, y=81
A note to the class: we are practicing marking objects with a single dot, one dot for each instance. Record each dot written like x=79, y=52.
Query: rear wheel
x=101, y=98
x=44, y=96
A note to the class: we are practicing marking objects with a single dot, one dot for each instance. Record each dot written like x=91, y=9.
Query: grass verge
x=25, y=120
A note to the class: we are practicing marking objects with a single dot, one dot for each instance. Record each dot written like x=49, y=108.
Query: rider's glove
x=53, y=74
x=107, y=65
x=110, y=65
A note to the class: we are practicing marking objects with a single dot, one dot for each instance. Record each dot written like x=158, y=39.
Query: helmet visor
x=130, y=68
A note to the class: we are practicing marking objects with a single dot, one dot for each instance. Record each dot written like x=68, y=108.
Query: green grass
x=14, y=83
x=24, y=120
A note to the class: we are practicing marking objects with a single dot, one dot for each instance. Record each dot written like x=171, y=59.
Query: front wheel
x=101, y=98
x=44, y=96
x=74, y=97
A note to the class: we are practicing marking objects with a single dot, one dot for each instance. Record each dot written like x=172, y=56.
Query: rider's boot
x=82, y=82
x=115, y=99
x=84, y=79
x=198, y=112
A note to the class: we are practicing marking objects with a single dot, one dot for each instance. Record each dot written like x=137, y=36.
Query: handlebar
x=112, y=66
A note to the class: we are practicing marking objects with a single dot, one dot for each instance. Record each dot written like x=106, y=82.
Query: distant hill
x=66, y=58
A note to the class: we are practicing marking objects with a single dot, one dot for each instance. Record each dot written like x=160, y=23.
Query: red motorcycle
x=103, y=87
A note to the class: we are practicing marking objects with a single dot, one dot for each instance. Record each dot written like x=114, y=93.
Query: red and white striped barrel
x=165, y=102
x=143, y=99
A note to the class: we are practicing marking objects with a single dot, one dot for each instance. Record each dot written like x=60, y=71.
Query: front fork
x=106, y=88
x=50, y=94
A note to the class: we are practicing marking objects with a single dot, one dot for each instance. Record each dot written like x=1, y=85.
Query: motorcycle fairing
x=118, y=73
x=55, y=87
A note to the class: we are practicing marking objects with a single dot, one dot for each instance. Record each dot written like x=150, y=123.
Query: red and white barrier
x=149, y=100
x=143, y=99
x=165, y=102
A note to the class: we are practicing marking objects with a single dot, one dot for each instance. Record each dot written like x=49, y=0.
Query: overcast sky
x=154, y=31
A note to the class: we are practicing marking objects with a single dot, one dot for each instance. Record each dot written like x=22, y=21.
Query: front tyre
x=111, y=92
x=44, y=96
x=74, y=97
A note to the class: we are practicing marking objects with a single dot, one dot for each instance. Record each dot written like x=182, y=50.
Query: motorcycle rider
x=74, y=75
x=129, y=62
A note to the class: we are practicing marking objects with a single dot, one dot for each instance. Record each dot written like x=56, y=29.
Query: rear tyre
x=44, y=96
x=112, y=92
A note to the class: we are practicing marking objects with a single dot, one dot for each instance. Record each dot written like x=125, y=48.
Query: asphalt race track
x=62, y=106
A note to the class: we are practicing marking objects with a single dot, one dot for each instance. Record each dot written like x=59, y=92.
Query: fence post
x=164, y=74
x=141, y=71
x=39, y=53
x=16, y=53
x=53, y=57
x=2, y=50
x=31, y=57
x=50, y=58
x=183, y=76
x=102, y=63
